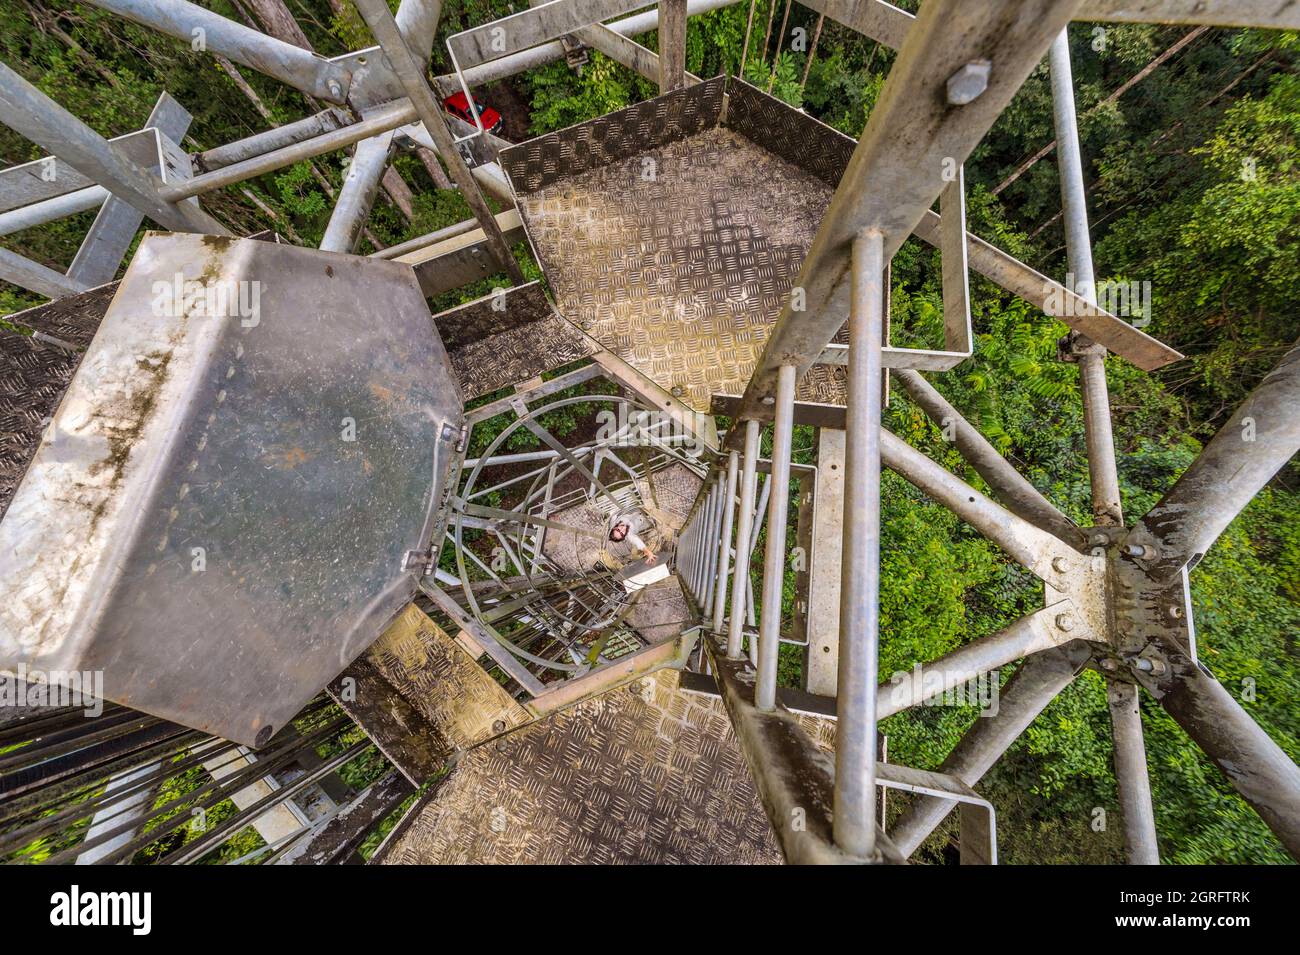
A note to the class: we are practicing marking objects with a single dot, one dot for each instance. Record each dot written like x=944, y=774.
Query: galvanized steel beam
x=855, y=738
x=1255, y=443
x=32, y=114
x=920, y=123
x=109, y=238
x=292, y=65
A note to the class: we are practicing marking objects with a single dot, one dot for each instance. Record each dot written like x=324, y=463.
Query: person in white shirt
x=623, y=531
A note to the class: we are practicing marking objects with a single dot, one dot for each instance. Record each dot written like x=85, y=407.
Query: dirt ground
x=511, y=104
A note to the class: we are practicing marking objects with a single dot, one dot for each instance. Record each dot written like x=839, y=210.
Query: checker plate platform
x=673, y=234
x=646, y=773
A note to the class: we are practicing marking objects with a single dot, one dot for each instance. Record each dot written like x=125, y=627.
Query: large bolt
x=1148, y=665
x=337, y=91
x=1135, y=550
x=1060, y=564
x=966, y=85
x=1064, y=622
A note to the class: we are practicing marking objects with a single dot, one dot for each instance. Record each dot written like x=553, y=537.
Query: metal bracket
x=421, y=560
x=457, y=433
x=979, y=833
x=576, y=53
x=1144, y=615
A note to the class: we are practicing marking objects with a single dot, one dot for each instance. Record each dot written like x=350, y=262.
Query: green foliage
x=560, y=98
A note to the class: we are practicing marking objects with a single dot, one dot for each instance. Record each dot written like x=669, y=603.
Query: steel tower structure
x=266, y=535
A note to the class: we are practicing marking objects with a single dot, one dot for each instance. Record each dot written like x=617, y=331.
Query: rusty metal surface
x=675, y=241
x=392, y=722
x=202, y=523
x=443, y=682
x=642, y=774
x=503, y=339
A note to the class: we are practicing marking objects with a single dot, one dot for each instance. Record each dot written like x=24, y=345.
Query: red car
x=458, y=105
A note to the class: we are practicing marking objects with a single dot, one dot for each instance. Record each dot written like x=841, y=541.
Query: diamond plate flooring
x=421, y=696
x=679, y=259
x=660, y=612
x=34, y=373
x=667, y=503
x=645, y=773
x=501, y=340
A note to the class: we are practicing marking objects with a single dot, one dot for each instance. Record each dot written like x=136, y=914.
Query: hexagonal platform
x=673, y=231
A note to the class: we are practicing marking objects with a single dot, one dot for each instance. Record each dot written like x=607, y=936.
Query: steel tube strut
x=379, y=120
x=701, y=548
x=1102, y=472
x=1253, y=763
x=1131, y=773
x=35, y=277
x=715, y=541
x=1032, y=548
x=1255, y=443
x=277, y=137
x=774, y=554
x=417, y=21
x=299, y=68
x=855, y=740
x=357, y=195
x=744, y=546
x=724, y=543
x=33, y=115
x=411, y=75
x=1033, y=633
x=48, y=210
x=1009, y=485
x=1037, y=682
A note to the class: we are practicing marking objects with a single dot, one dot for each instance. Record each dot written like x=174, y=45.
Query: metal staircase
x=226, y=518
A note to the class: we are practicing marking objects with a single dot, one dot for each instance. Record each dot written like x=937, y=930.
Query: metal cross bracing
x=1121, y=594
x=1114, y=598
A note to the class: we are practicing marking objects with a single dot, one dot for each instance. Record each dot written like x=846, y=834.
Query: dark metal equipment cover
x=215, y=522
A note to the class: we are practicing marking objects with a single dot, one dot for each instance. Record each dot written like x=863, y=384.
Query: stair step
x=644, y=773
